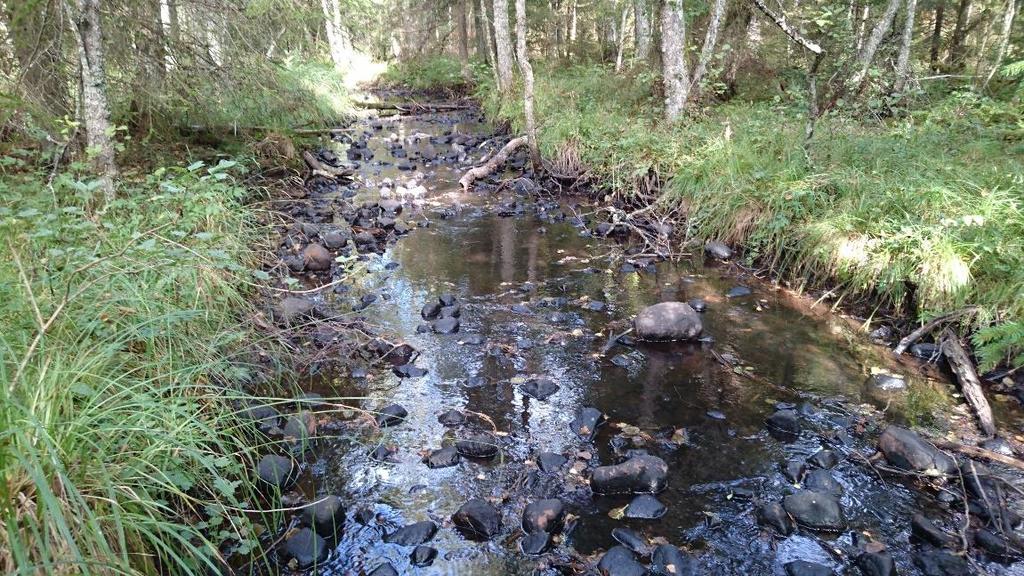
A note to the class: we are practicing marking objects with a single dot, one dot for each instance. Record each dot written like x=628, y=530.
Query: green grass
x=920, y=213
x=436, y=73
x=120, y=451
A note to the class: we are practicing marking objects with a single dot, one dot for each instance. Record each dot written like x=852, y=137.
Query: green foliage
x=437, y=73
x=922, y=211
x=120, y=451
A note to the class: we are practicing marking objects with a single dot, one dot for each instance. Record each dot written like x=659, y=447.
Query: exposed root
x=488, y=168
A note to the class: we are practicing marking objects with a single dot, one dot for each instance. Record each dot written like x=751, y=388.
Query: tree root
x=491, y=165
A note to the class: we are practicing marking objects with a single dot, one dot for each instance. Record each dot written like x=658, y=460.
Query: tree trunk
x=480, y=27
x=956, y=46
x=642, y=29
x=940, y=12
x=710, y=40
x=862, y=27
x=903, y=60
x=570, y=49
x=527, y=70
x=462, y=29
x=95, y=110
x=673, y=57
x=1004, y=40
x=503, y=39
x=35, y=34
x=337, y=36
x=867, y=53
x=622, y=36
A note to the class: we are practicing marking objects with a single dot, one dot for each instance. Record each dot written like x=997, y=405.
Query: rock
x=442, y=458
x=622, y=361
x=805, y=568
x=823, y=481
x=630, y=539
x=413, y=534
x=639, y=474
x=409, y=371
x=645, y=507
x=477, y=520
x=716, y=415
x=277, y=472
x=815, y=510
x=738, y=292
x=995, y=544
x=998, y=445
x=422, y=556
x=384, y=453
x=264, y=416
x=391, y=415
x=716, y=249
x=667, y=560
x=473, y=339
x=306, y=548
x=784, y=425
x=586, y=423
x=535, y=543
x=477, y=447
x=453, y=311
x=925, y=530
x=668, y=321
x=825, y=459
x=385, y=569
x=886, y=381
x=299, y=429
x=293, y=309
x=446, y=326
x=794, y=471
x=335, y=239
x=326, y=516
x=596, y=306
x=773, y=515
x=430, y=310
x=539, y=388
x=391, y=205
x=698, y=305
x=620, y=561
x=876, y=564
x=925, y=351
x=543, y=516
x=317, y=258
x=940, y=563
x=447, y=299
x=906, y=450
x=550, y=462
x=452, y=418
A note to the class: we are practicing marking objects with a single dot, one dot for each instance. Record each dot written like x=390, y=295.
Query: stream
x=538, y=299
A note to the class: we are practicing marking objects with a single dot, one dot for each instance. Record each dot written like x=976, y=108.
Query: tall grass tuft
x=119, y=448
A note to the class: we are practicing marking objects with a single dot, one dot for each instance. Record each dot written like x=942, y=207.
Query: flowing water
x=545, y=296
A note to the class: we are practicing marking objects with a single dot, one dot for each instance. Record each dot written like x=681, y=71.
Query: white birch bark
x=642, y=29
x=1004, y=42
x=903, y=60
x=622, y=37
x=867, y=53
x=673, y=57
x=337, y=37
x=710, y=41
x=524, y=65
x=503, y=41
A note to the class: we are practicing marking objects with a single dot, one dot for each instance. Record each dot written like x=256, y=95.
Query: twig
x=928, y=327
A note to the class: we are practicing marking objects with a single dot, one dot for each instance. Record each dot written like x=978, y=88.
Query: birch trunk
x=95, y=110
x=862, y=27
x=867, y=53
x=903, y=60
x=503, y=40
x=710, y=40
x=673, y=57
x=337, y=36
x=524, y=65
x=1004, y=41
x=642, y=30
x=622, y=36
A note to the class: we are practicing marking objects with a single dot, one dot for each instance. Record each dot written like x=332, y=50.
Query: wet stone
x=645, y=506
x=442, y=458
x=385, y=569
x=738, y=292
x=543, y=516
x=698, y=305
x=472, y=339
x=391, y=416
x=453, y=311
x=716, y=415
x=639, y=474
x=306, y=548
x=824, y=459
x=586, y=423
x=999, y=446
x=477, y=447
x=773, y=515
x=477, y=519
x=540, y=388
x=940, y=563
x=668, y=321
x=550, y=462
x=423, y=556
x=294, y=309
x=384, y=453
x=815, y=510
x=925, y=530
x=326, y=516
x=476, y=381
x=447, y=299
x=805, y=568
x=632, y=540
x=876, y=564
x=265, y=417
x=995, y=544
x=620, y=561
x=317, y=258
x=925, y=351
x=906, y=450
x=823, y=481
x=277, y=471
x=409, y=371
x=452, y=418
x=446, y=326
x=794, y=471
x=622, y=361
x=430, y=310
x=784, y=425
x=413, y=534
x=667, y=560
x=535, y=544
x=719, y=250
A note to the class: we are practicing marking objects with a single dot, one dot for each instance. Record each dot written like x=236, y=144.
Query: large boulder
x=906, y=450
x=640, y=474
x=668, y=321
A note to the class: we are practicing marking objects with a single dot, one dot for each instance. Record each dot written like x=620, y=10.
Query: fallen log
x=976, y=452
x=928, y=327
x=962, y=366
x=318, y=168
x=412, y=106
x=491, y=165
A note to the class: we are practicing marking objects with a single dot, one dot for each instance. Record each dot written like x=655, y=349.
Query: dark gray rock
x=667, y=560
x=716, y=249
x=384, y=453
x=535, y=544
x=905, y=449
x=409, y=371
x=550, y=462
x=940, y=563
x=477, y=519
x=925, y=530
x=794, y=470
x=413, y=534
x=620, y=561
x=543, y=516
x=447, y=299
x=326, y=516
x=385, y=569
x=645, y=507
x=823, y=481
x=452, y=418
x=294, y=309
x=805, y=568
x=477, y=447
x=815, y=510
x=473, y=339
x=277, y=472
x=442, y=458
x=586, y=423
x=430, y=310
x=925, y=351
x=876, y=564
x=453, y=311
x=668, y=321
x=824, y=459
x=391, y=415
x=639, y=474
x=306, y=548
x=698, y=305
x=422, y=556
x=784, y=425
x=632, y=540
x=266, y=417
x=446, y=326
x=335, y=239
x=539, y=388
x=773, y=515
x=738, y=292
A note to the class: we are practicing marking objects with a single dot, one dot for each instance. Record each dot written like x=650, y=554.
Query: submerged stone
x=277, y=471
x=632, y=540
x=550, y=462
x=815, y=510
x=717, y=249
x=543, y=516
x=738, y=292
x=645, y=507
x=423, y=556
x=905, y=449
x=876, y=564
x=385, y=569
x=641, y=473
x=452, y=418
x=477, y=519
x=784, y=425
x=824, y=459
x=413, y=534
x=446, y=326
x=667, y=560
x=774, y=516
x=326, y=516
x=823, y=481
x=805, y=568
x=586, y=423
x=442, y=458
x=391, y=415
x=535, y=543
x=409, y=371
x=477, y=447
x=306, y=548
x=668, y=321
x=539, y=388
x=620, y=561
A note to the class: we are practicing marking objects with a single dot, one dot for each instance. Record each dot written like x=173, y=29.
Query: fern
x=995, y=343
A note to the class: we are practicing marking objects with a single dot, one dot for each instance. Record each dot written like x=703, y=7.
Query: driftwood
x=491, y=165
x=976, y=452
x=962, y=366
x=318, y=168
x=928, y=327
x=407, y=107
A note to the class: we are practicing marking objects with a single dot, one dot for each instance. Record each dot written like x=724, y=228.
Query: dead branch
x=928, y=327
x=318, y=168
x=493, y=164
x=976, y=452
x=407, y=107
x=962, y=366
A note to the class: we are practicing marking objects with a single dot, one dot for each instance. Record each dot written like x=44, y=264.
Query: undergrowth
x=120, y=451
x=920, y=213
x=435, y=73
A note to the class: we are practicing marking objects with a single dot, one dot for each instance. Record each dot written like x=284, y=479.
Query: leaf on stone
x=617, y=513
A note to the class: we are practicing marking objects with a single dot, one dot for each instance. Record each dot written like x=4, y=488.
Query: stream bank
x=469, y=398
